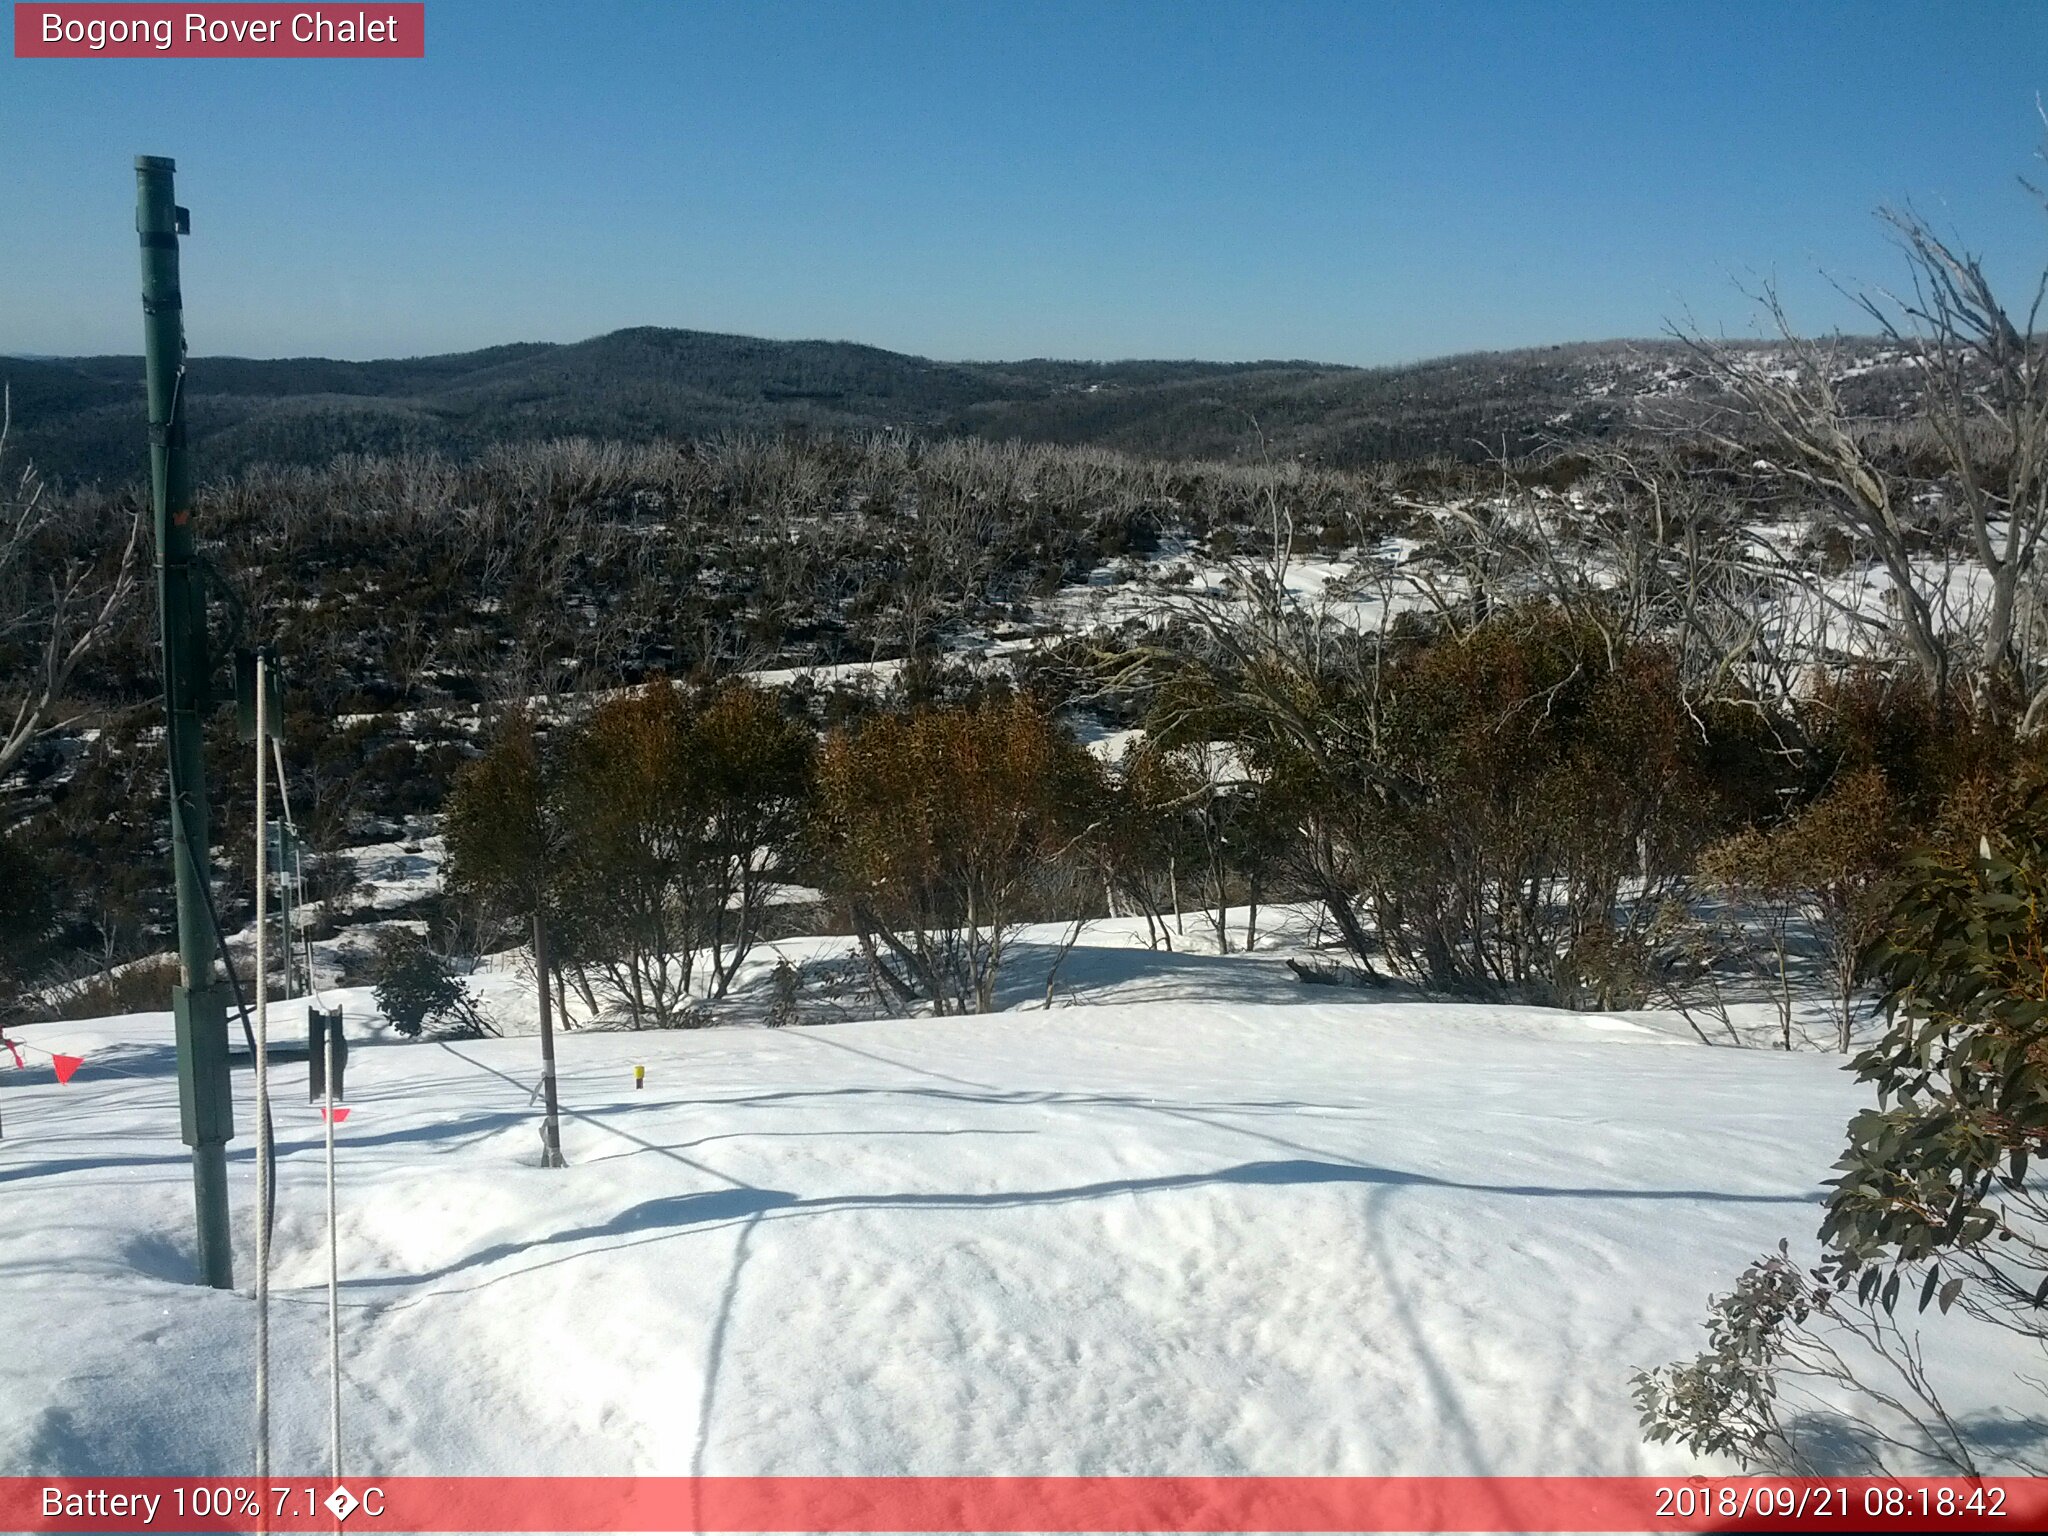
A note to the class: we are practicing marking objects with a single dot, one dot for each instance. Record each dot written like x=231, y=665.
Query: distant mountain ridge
x=80, y=419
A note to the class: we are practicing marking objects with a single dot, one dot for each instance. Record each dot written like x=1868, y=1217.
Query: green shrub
x=1937, y=1203
x=1938, y=1172
x=416, y=987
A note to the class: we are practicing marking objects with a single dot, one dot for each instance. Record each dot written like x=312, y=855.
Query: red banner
x=118, y=31
x=1017, y=1504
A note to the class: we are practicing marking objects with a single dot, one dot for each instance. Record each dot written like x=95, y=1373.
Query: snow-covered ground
x=1203, y=1219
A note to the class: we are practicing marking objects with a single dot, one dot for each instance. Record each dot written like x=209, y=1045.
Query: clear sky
x=1354, y=182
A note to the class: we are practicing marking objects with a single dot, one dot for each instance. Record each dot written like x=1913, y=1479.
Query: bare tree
x=1790, y=398
x=1986, y=404
x=56, y=602
x=1961, y=546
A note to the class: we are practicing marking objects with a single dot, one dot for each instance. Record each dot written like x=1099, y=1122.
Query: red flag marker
x=340, y=1113
x=15, y=1050
x=66, y=1065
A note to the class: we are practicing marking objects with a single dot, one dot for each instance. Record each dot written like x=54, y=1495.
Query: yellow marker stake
x=639, y=1077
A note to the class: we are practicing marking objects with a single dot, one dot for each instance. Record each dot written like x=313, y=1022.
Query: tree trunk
x=585, y=990
x=1847, y=974
x=1784, y=992
x=1216, y=879
x=886, y=981
x=551, y=1126
x=1346, y=919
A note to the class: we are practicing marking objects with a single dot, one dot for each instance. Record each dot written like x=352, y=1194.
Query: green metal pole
x=205, y=1100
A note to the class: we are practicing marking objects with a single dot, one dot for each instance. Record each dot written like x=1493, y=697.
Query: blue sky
x=1353, y=182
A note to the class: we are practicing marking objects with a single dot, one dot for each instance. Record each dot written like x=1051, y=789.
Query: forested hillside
x=78, y=419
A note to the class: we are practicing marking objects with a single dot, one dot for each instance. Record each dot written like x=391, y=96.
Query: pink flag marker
x=340, y=1113
x=66, y=1065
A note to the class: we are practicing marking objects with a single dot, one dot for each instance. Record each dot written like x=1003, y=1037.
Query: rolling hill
x=81, y=418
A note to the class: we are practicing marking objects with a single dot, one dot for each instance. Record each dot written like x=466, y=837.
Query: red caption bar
x=115, y=31
x=1016, y=1504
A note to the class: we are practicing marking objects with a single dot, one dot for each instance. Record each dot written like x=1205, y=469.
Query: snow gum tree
x=933, y=828
x=1142, y=843
x=1540, y=772
x=1495, y=807
x=753, y=774
x=637, y=835
x=1826, y=864
x=684, y=809
x=508, y=845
